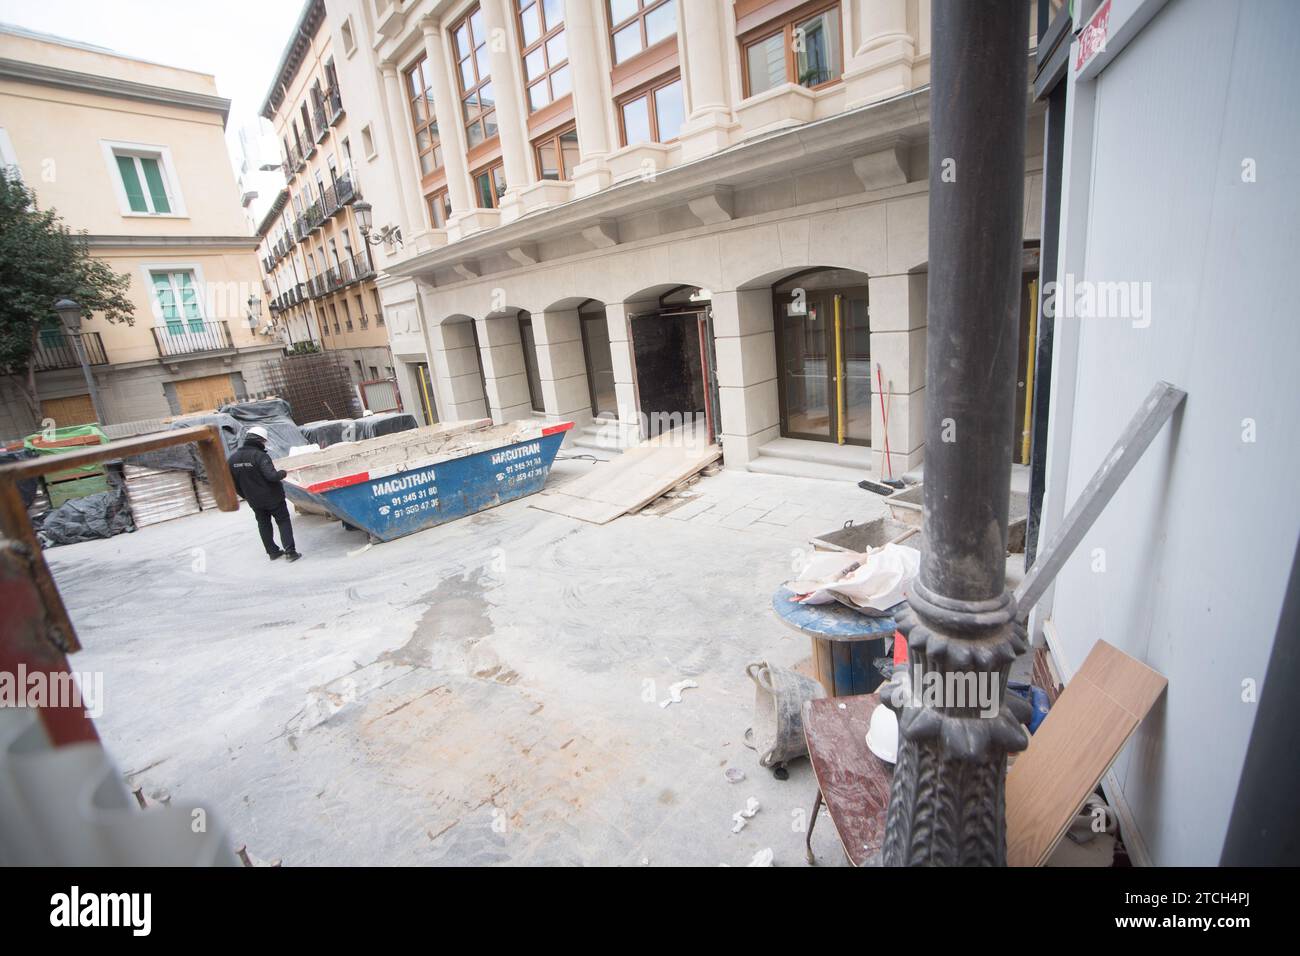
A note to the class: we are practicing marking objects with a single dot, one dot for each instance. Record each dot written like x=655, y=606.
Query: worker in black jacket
x=260, y=483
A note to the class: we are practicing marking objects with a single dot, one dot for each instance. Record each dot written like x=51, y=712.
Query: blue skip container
x=398, y=484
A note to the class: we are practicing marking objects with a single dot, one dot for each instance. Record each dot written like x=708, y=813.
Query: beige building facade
x=133, y=153
x=622, y=211
x=318, y=267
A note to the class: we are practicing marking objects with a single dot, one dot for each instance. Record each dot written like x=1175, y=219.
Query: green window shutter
x=190, y=301
x=167, y=302
x=134, y=192
x=157, y=192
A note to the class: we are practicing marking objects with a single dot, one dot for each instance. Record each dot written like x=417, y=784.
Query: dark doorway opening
x=675, y=364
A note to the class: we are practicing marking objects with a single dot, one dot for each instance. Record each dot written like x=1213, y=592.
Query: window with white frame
x=177, y=297
x=143, y=174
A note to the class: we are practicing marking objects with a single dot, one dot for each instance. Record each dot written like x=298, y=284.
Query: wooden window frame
x=647, y=90
x=430, y=125
x=553, y=137
x=644, y=7
x=784, y=24
x=479, y=79
x=492, y=181
x=434, y=197
x=525, y=50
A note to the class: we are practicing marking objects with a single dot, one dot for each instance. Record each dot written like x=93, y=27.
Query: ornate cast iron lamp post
x=946, y=807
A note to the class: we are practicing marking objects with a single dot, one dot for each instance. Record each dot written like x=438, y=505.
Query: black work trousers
x=281, y=515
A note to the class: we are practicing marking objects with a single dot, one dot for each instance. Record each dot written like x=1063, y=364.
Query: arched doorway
x=823, y=350
x=676, y=366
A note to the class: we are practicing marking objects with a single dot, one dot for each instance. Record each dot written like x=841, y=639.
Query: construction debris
x=675, y=692
x=741, y=817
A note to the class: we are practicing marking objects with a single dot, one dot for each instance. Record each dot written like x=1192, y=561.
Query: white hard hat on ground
x=882, y=735
x=259, y=431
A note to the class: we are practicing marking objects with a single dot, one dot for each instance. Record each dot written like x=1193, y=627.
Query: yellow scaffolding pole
x=839, y=375
x=1029, y=374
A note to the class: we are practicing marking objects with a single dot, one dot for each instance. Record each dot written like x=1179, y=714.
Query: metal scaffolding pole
x=946, y=806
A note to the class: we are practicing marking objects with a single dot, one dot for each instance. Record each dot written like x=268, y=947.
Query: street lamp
x=947, y=798
x=387, y=236
x=69, y=313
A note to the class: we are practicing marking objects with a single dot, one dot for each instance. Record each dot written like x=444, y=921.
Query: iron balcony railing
x=335, y=103
x=55, y=350
x=318, y=120
x=329, y=203
x=345, y=189
x=296, y=158
x=188, y=338
x=361, y=266
x=315, y=216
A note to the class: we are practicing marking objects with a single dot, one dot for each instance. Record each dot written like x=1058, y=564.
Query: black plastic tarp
x=327, y=431
x=372, y=426
x=273, y=415
x=228, y=425
x=100, y=515
x=29, y=486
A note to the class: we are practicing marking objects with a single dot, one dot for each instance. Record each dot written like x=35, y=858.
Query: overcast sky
x=237, y=41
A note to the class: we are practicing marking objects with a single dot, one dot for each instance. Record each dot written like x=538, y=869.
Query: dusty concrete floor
x=484, y=692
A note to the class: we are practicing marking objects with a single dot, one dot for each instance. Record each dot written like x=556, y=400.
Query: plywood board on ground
x=629, y=482
x=1084, y=731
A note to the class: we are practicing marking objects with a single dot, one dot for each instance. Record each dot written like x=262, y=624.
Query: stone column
x=898, y=339
x=511, y=117
x=702, y=32
x=446, y=106
x=745, y=339
x=562, y=366
x=414, y=221
x=454, y=368
x=883, y=51
x=620, y=352
x=584, y=31
x=503, y=368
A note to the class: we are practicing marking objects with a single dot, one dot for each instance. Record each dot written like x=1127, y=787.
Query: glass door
x=807, y=381
x=824, y=358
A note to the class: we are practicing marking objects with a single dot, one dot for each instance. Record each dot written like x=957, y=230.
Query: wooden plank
x=1076, y=744
x=34, y=467
x=15, y=525
x=630, y=482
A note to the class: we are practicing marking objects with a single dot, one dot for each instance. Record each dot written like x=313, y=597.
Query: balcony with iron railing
x=54, y=350
x=361, y=267
x=177, y=339
x=335, y=104
x=319, y=121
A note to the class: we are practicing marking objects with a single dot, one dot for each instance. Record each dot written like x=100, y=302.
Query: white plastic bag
x=875, y=580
